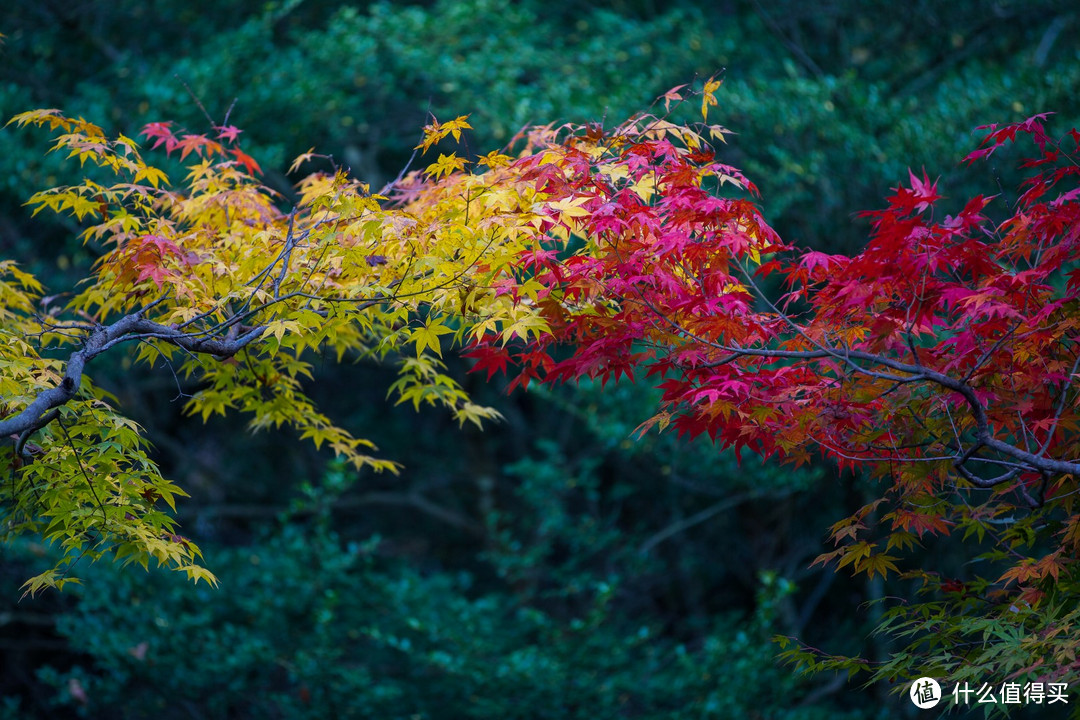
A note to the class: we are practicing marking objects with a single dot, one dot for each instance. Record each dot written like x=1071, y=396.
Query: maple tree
x=940, y=359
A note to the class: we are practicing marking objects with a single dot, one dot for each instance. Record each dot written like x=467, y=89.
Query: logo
x=925, y=693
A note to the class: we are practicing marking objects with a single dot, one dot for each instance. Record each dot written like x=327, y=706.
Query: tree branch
x=130, y=327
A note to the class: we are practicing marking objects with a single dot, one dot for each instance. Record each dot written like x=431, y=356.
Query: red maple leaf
x=247, y=161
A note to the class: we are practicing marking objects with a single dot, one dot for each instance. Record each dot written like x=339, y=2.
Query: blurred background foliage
x=551, y=566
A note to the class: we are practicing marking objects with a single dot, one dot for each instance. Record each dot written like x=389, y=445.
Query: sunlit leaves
x=435, y=131
x=427, y=337
x=237, y=295
x=445, y=165
x=708, y=97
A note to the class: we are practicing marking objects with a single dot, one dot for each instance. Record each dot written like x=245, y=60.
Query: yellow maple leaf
x=708, y=97
x=445, y=165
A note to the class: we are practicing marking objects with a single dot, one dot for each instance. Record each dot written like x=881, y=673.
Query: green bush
x=306, y=625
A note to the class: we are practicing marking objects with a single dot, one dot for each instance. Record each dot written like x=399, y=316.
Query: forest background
x=548, y=566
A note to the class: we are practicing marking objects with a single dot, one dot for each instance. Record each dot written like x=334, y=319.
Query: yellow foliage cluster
x=215, y=277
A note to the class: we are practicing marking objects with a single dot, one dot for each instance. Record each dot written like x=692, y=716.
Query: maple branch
x=920, y=373
x=286, y=254
x=200, y=343
x=136, y=327
x=913, y=373
x=1060, y=407
x=21, y=441
x=978, y=481
x=41, y=411
x=990, y=353
x=82, y=470
x=983, y=437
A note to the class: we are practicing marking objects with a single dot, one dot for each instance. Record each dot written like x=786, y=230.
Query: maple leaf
x=880, y=564
x=920, y=196
x=570, y=207
x=53, y=117
x=925, y=191
x=301, y=159
x=189, y=143
x=455, y=126
x=247, y=161
x=708, y=97
x=436, y=131
x=445, y=165
x=228, y=133
x=162, y=134
x=492, y=358
x=672, y=95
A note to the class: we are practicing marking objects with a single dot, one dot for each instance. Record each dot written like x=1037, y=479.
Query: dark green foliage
x=306, y=625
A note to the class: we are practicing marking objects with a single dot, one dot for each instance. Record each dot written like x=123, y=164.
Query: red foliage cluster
x=943, y=355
